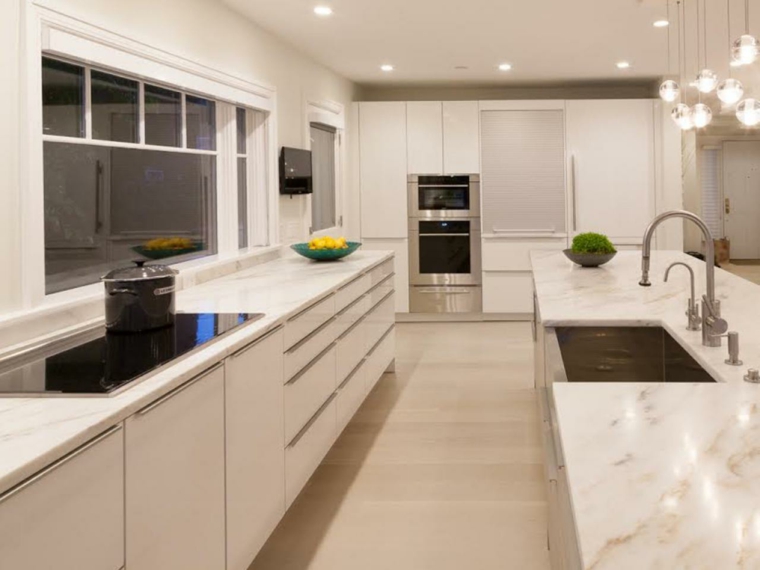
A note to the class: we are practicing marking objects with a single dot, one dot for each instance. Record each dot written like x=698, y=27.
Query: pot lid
x=140, y=272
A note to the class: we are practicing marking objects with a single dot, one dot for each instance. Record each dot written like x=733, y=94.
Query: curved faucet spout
x=646, y=249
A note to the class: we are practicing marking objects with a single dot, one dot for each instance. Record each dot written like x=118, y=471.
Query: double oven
x=444, y=244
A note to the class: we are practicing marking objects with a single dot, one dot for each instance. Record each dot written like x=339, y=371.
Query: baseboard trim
x=462, y=317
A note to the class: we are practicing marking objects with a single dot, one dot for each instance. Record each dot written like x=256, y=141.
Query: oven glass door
x=445, y=248
x=443, y=193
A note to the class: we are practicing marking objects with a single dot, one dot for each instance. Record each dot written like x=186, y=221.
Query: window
x=120, y=179
x=241, y=127
x=323, y=202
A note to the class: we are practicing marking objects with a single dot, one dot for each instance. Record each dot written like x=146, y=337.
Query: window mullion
x=88, y=103
x=184, y=120
x=141, y=113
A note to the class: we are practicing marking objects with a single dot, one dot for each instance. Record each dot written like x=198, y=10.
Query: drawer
x=352, y=314
x=379, y=273
x=307, y=391
x=307, y=321
x=309, y=348
x=380, y=290
x=500, y=254
x=352, y=348
x=352, y=291
x=380, y=358
x=351, y=394
x=379, y=320
x=307, y=450
x=508, y=292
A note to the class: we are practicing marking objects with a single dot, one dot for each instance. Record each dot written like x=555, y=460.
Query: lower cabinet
x=508, y=292
x=69, y=516
x=175, y=503
x=255, y=447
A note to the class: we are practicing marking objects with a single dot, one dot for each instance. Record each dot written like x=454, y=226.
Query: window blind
x=323, y=165
x=712, y=206
x=523, y=171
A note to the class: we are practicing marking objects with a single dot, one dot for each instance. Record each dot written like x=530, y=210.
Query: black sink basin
x=626, y=354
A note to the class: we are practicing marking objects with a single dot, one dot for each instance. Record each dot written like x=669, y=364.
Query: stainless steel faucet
x=692, y=309
x=712, y=325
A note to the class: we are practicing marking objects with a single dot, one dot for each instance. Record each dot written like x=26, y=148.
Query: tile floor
x=439, y=470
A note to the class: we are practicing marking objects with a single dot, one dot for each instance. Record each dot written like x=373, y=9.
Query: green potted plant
x=591, y=250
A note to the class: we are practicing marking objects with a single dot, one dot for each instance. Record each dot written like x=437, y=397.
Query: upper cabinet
x=611, y=156
x=383, y=155
x=461, y=137
x=424, y=123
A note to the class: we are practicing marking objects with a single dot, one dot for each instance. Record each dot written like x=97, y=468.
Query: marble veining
x=661, y=476
x=36, y=431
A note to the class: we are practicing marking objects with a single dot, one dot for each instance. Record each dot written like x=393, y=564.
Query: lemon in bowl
x=326, y=248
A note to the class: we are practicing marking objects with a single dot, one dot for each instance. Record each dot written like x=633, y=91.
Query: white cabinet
x=255, y=447
x=612, y=167
x=424, y=127
x=383, y=157
x=401, y=267
x=175, y=504
x=461, y=137
x=70, y=516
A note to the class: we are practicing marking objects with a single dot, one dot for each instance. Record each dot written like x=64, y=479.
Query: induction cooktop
x=101, y=362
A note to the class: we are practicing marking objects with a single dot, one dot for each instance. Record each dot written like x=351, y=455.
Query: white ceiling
x=545, y=41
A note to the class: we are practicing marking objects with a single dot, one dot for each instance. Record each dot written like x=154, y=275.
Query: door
x=611, y=156
x=174, y=450
x=255, y=447
x=383, y=170
x=741, y=187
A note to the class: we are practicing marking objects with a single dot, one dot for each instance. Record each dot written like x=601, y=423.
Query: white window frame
x=333, y=115
x=49, y=33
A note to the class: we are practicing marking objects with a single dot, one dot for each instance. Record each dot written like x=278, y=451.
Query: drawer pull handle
x=62, y=461
x=177, y=390
x=306, y=368
x=449, y=292
x=311, y=335
x=309, y=308
x=312, y=421
x=257, y=341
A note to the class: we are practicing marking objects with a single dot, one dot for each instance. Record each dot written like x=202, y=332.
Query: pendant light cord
x=728, y=32
x=746, y=16
x=667, y=15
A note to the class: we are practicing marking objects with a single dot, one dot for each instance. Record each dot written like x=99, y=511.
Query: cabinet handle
x=313, y=419
x=310, y=307
x=440, y=292
x=306, y=368
x=572, y=181
x=502, y=231
x=177, y=390
x=253, y=343
x=53, y=466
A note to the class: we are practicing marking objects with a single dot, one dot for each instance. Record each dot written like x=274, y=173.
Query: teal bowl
x=325, y=254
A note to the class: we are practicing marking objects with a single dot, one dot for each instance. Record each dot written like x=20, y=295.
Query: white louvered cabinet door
x=523, y=178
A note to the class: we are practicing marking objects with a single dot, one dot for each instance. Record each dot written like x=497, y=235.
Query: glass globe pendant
x=746, y=49
x=730, y=91
x=669, y=91
x=748, y=112
x=707, y=80
x=681, y=114
x=701, y=115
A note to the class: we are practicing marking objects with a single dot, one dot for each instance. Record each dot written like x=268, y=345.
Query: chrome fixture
x=753, y=376
x=733, y=349
x=692, y=309
x=712, y=325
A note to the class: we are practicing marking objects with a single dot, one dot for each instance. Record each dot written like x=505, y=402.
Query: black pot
x=139, y=298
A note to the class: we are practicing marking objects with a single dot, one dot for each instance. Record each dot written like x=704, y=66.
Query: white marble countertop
x=36, y=431
x=661, y=476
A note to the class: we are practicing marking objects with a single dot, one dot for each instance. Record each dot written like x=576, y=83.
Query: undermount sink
x=626, y=354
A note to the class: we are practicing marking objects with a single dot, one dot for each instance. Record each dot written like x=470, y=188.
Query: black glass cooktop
x=100, y=362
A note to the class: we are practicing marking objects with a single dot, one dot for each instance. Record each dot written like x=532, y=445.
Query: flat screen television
x=295, y=171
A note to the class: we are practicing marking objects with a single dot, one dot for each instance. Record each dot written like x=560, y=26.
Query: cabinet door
x=255, y=447
x=461, y=138
x=612, y=167
x=383, y=170
x=70, y=516
x=424, y=124
x=175, y=479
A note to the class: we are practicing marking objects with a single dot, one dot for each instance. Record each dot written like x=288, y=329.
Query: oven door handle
x=444, y=292
x=445, y=235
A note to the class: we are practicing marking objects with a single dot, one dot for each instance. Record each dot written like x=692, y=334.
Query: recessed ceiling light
x=387, y=67
x=623, y=65
x=505, y=66
x=661, y=24
x=461, y=67
x=323, y=11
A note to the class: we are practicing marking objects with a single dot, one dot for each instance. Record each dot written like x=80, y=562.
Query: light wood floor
x=439, y=470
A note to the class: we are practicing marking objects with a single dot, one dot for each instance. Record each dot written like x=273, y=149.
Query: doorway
x=741, y=199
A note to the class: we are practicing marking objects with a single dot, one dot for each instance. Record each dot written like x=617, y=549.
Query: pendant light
x=701, y=115
x=745, y=49
x=730, y=90
x=669, y=89
x=682, y=116
x=707, y=79
x=748, y=112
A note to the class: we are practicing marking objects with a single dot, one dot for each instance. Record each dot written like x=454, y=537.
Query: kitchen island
x=650, y=474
